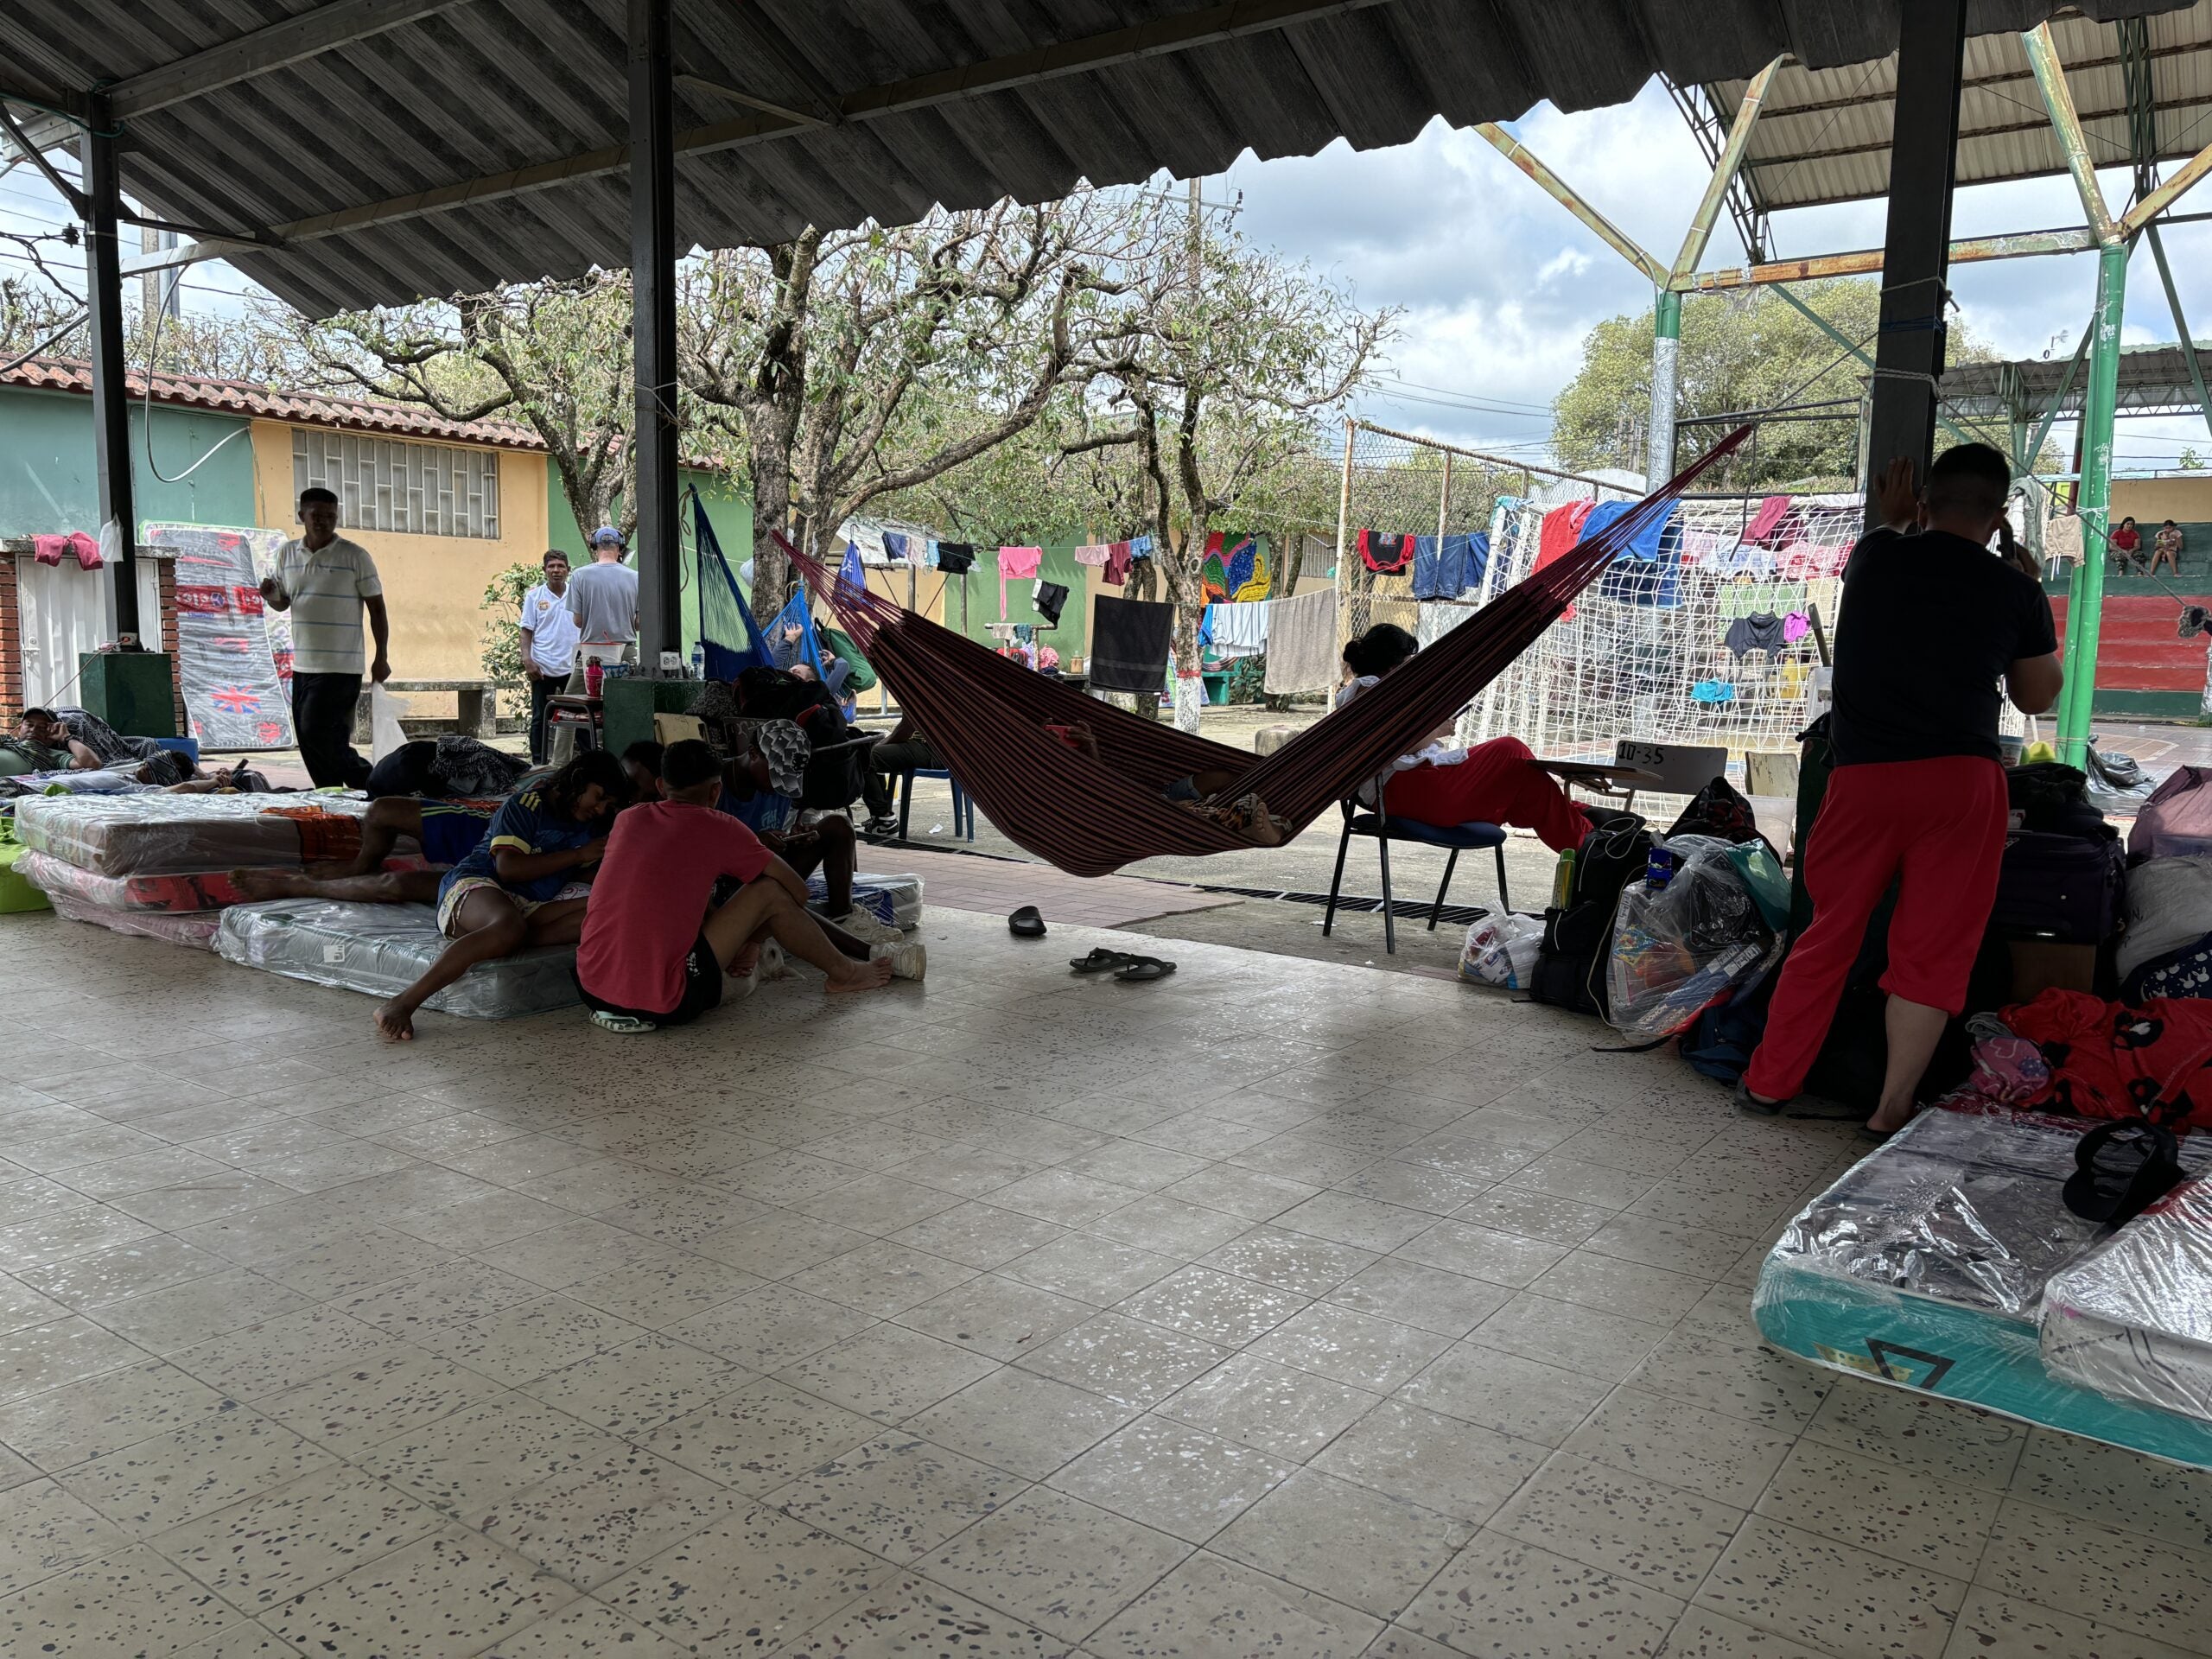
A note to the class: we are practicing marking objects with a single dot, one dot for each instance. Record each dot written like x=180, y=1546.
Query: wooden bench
x=477, y=702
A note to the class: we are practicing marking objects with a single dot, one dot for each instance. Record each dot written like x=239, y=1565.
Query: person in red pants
x=1930, y=623
x=1496, y=782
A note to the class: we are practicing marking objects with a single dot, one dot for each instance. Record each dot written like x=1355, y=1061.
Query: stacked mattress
x=380, y=949
x=894, y=900
x=121, y=860
x=2133, y=1317
x=1933, y=1264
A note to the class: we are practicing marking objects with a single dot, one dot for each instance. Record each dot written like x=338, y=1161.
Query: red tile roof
x=301, y=408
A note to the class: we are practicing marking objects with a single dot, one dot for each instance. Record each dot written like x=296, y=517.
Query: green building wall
x=983, y=599
x=729, y=510
x=48, y=484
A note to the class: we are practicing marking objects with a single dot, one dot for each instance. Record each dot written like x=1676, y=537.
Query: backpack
x=1718, y=1043
x=1570, y=971
x=1719, y=812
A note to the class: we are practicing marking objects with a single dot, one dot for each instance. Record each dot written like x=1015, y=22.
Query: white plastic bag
x=385, y=711
x=1500, y=950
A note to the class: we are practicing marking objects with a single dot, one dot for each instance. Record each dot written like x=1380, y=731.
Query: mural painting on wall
x=234, y=655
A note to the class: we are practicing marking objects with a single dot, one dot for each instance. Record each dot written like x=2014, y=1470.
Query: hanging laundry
x=1749, y=598
x=1019, y=564
x=1092, y=554
x=1644, y=575
x=1446, y=567
x=1048, y=600
x=1477, y=560
x=1794, y=626
x=1385, y=555
x=1767, y=519
x=851, y=573
x=1239, y=562
x=1130, y=639
x=49, y=549
x=1239, y=630
x=1764, y=632
x=956, y=558
x=1562, y=530
x=1713, y=691
x=2061, y=537
x=1140, y=547
x=1302, y=643
x=1428, y=572
x=894, y=544
x=1117, y=562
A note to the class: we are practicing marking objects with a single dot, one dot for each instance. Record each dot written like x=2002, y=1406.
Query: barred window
x=422, y=489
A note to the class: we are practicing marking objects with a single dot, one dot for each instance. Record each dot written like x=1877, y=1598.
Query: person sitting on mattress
x=655, y=947
x=524, y=883
x=1496, y=782
x=447, y=831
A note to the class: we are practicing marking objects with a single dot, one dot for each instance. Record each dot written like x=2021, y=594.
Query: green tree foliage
x=1743, y=350
x=503, y=595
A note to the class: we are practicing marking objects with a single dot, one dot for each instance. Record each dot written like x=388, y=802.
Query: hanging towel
x=956, y=558
x=1240, y=563
x=48, y=549
x=1117, y=562
x=894, y=544
x=1094, y=554
x=1562, y=529
x=1385, y=555
x=1794, y=626
x=1239, y=630
x=1768, y=518
x=1129, y=643
x=1019, y=564
x=1302, y=643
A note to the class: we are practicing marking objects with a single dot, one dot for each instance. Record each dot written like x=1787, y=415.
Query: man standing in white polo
x=326, y=582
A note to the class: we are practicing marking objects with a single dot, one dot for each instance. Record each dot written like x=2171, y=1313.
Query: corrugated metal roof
x=2151, y=377
x=1823, y=134
x=300, y=408
x=465, y=101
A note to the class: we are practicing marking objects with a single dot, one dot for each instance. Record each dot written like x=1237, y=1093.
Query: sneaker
x=884, y=827
x=864, y=927
x=621, y=1024
x=908, y=960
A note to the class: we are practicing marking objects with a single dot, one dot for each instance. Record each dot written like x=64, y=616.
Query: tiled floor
x=1283, y=1309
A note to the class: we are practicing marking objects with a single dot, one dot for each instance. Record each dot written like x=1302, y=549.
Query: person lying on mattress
x=655, y=948
x=447, y=831
x=524, y=883
x=46, y=742
x=1496, y=782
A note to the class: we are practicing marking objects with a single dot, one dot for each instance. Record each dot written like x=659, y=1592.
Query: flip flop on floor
x=1025, y=923
x=1140, y=969
x=1101, y=961
x=1746, y=1100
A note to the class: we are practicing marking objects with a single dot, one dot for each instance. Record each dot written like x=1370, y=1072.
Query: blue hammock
x=730, y=639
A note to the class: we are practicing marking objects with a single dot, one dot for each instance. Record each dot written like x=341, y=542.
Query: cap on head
x=606, y=533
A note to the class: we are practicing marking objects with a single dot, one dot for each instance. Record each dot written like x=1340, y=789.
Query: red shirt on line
x=650, y=899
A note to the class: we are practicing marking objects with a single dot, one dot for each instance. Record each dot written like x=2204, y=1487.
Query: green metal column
x=2085, y=603
x=1666, y=349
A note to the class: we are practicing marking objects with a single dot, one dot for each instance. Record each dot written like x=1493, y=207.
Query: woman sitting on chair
x=1496, y=782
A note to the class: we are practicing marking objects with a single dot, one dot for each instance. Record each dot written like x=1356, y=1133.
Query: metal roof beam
x=1724, y=173
x=334, y=23
x=2022, y=245
x=2181, y=326
x=1161, y=37
x=2066, y=126
x=1602, y=228
x=2167, y=194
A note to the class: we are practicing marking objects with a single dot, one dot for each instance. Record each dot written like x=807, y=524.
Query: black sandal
x=1101, y=961
x=1140, y=970
x=1750, y=1103
x=1025, y=923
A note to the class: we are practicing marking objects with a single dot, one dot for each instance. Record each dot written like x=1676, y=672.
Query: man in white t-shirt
x=326, y=582
x=548, y=644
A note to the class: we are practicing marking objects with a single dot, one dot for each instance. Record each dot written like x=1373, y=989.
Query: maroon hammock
x=986, y=715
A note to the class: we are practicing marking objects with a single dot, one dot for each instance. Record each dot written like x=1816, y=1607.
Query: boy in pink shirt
x=653, y=953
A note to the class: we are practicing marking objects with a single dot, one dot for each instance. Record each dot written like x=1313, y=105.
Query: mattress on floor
x=894, y=900
x=380, y=949
x=194, y=928
x=205, y=890
x=2132, y=1318
x=165, y=834
x=1925, y=1266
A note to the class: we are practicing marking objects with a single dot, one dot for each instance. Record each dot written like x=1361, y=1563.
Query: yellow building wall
x=2152, y=500
x=432, y=585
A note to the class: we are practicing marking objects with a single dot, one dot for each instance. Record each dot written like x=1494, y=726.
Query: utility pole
x=1198, y=232
x=152, y=300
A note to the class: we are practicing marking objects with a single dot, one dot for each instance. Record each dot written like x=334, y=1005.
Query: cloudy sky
x=1499, y=284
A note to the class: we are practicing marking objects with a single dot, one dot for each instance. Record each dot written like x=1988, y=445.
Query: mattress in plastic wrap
x=165, y=834
x=200, y=890
x=894, y=900
x=194, y=928
x=2132, y=1318
x=1925, y=1266
x=380, y=949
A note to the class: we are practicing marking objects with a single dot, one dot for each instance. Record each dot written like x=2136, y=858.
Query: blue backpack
x=1720, y=1041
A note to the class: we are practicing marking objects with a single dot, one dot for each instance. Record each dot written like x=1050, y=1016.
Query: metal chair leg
x=1335, y=882
x=1389, y=905
x=906, y=801
x=1504, y=901
x=1436, y=910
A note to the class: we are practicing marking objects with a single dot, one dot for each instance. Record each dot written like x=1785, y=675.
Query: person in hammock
x=1496, y=782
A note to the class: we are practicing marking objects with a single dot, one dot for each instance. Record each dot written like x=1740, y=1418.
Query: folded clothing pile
x=894, y=900
x=380, y=949
x=114, y=857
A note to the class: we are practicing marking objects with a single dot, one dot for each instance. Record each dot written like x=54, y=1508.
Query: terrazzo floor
x=1283, y=1309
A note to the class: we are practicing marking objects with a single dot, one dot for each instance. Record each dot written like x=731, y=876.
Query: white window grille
x=419, y=489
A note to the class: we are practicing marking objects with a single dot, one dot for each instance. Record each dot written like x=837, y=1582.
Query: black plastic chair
x=1379, y=827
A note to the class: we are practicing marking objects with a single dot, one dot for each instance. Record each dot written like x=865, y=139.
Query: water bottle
x=594, y=676
x=1659, y=867
x=1563, y=881
x=698, y=662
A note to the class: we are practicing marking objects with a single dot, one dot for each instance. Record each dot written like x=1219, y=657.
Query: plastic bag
x=1677, y=948
x=2176, y=820
x=385, y=734
x=1500, y=950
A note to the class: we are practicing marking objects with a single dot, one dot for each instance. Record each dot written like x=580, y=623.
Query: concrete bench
x=477, y=701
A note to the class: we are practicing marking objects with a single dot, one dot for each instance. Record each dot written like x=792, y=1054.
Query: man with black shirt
x=1930, y=623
